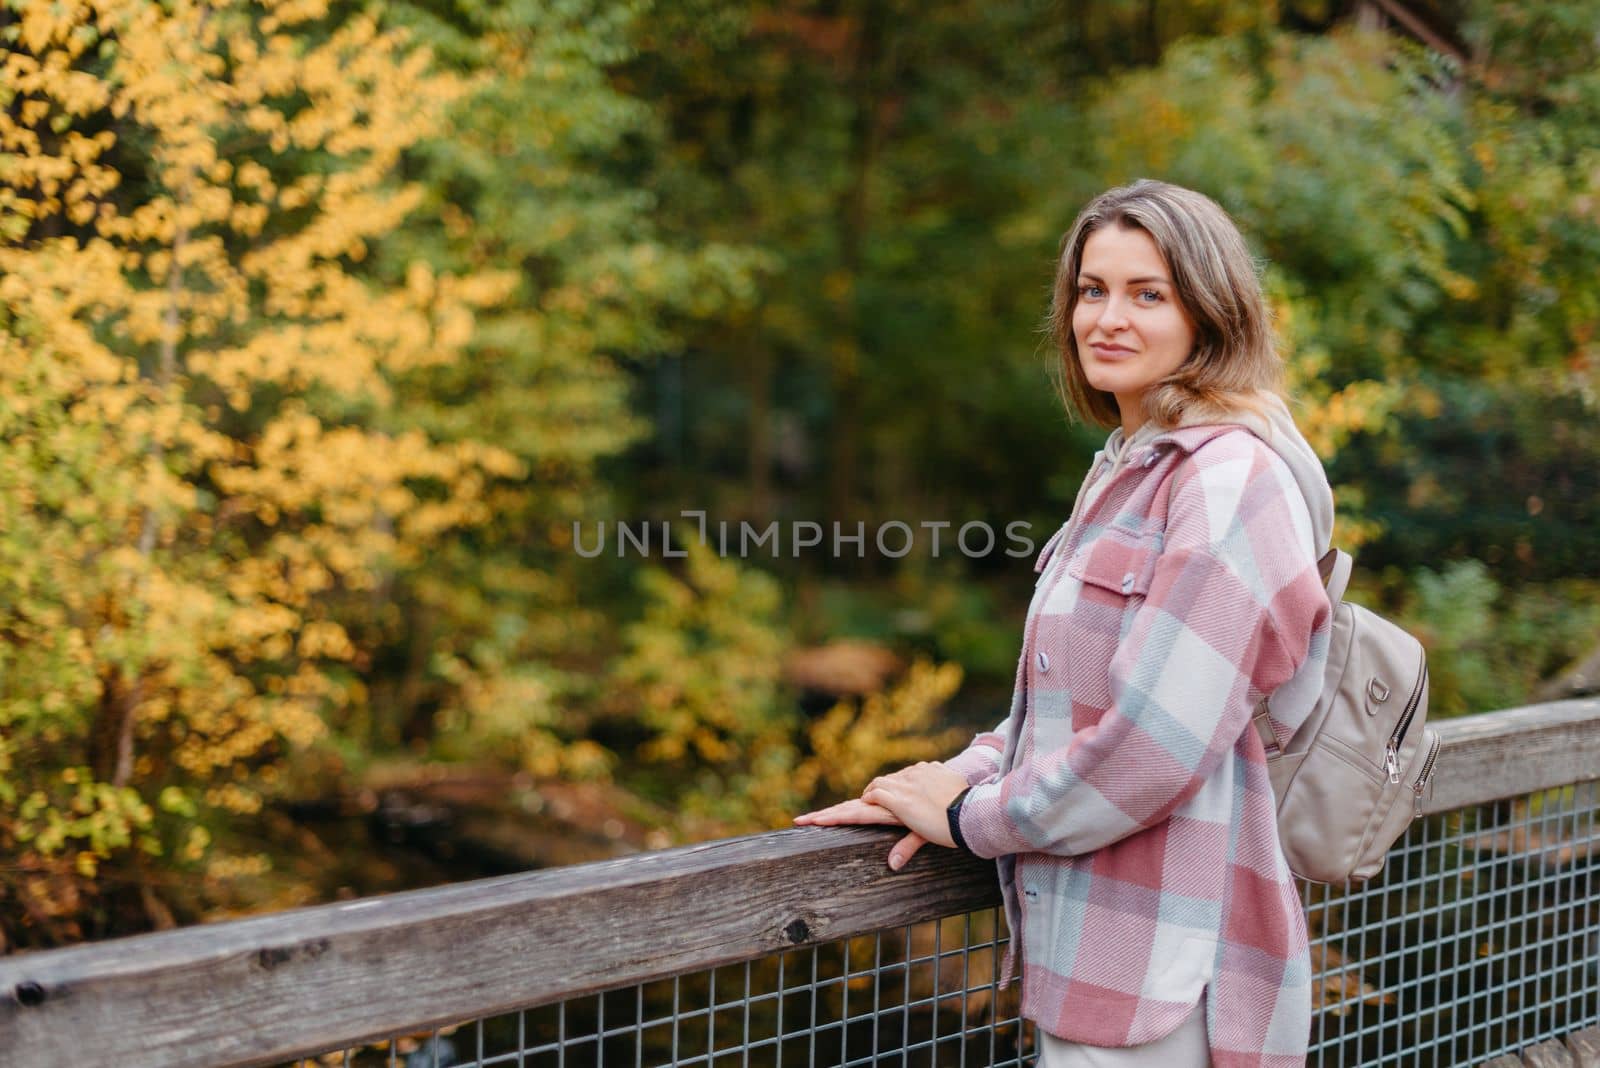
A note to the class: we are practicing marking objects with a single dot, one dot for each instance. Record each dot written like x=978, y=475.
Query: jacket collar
x=1190, y=438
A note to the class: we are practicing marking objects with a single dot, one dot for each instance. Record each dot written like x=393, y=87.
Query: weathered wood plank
x=1585, y=1047
x=1551, y=1054
x=1505, y=1060
x=261, y=990
x=1514, y=752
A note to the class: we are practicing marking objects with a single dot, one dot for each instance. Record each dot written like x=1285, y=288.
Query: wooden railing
x=271, y=988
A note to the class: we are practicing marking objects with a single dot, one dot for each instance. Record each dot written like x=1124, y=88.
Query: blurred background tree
x=208, y=472
x=324, y=323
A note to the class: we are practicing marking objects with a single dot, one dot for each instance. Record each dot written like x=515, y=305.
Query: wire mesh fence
x=925, y=994
x=1481, y=937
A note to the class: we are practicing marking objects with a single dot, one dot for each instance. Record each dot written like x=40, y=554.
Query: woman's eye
x=1090, y=290
x=1149, y=296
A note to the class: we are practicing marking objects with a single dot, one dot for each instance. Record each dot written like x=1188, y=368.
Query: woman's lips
x=1111, y=352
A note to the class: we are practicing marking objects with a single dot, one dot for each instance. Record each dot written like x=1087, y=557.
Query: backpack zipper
x=1391, y=753
x=1425, y=778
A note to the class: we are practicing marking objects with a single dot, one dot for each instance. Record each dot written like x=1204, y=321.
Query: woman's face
x=1130, y=328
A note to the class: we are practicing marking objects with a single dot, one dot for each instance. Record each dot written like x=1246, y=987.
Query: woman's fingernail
x=895, y=862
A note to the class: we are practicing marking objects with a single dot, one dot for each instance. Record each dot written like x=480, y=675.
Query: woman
x=1126, y=795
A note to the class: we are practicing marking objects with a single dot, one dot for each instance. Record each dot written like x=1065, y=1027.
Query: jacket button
x=1127, y=582
x=1044, y=662
x=1150, y=458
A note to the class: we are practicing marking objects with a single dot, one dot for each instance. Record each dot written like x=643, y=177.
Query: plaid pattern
x=1125, y=795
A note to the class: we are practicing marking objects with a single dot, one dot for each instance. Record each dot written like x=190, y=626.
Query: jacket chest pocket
x=1113, y=572
x=1116, y=566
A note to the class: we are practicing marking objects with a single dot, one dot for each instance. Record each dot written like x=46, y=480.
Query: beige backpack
x=1353, y=775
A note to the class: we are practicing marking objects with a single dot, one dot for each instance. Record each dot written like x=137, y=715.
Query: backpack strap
x=1334, y=567
x=1263, y=724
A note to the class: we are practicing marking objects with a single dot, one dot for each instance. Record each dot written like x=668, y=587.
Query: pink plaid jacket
x=1125, y=794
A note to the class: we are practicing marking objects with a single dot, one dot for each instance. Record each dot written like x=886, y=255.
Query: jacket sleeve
x=1233, y=603
x=980, y=760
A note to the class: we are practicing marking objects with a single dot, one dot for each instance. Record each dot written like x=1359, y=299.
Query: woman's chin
x=1113, y=383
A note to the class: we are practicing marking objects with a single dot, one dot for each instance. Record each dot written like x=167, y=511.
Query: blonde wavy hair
x=1234, y=359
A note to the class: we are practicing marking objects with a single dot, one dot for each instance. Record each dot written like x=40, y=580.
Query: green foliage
x=704, y=660
x=200, y=477
x=701, y=673
x=533, y=180
x=280, y=470
x=1488, y=647
x=876, y=154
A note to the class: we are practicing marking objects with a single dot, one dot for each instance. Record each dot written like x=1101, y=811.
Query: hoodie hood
x=1274, y=426
x=1277, y=428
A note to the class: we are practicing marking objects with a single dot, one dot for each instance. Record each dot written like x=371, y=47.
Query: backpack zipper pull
x=1425, y=778
x=1391, y=762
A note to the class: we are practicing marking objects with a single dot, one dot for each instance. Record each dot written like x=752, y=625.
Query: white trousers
x=1184, y=1048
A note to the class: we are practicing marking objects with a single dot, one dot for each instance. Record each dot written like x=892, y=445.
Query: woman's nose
x=1113, y=315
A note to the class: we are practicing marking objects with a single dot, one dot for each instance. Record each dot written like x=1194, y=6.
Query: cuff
x=986, y=826
x=976, y=763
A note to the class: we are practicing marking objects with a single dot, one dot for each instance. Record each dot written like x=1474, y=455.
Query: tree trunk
x=117, y=719
x=111, y=740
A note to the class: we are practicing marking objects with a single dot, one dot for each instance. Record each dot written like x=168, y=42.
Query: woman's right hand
x=854, y=810
x=857, y=811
